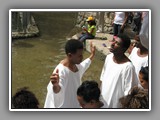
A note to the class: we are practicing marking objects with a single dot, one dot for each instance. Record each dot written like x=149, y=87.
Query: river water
x=34, y=59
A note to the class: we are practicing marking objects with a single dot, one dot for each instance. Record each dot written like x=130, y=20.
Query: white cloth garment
x=105, y=105
x=119, y=18
x=69, y=82
x=117, y=80
x=138, y=61
x=144, y=33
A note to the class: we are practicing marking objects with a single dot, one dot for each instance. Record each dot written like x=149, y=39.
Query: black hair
x=126, y=40
x=93, y=22
x=24, y=99
x=73, y=45
x=144, y=71
x=89, y=90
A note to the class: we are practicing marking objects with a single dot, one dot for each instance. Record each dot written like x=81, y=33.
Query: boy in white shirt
x=66, y=77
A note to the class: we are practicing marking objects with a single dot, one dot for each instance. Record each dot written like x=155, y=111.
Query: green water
x=34, y=59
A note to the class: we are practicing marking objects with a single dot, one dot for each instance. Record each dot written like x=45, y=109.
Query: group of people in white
x=120, y=74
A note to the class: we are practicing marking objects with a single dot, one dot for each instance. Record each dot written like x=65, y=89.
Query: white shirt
x=144, y=32
x=69, y=82
x=117, y=80
x=119, y=18
x=105, y=105
x=138, y=61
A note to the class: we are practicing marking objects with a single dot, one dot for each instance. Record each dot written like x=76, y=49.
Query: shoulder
x=61, y=68
x=93, y=26
x=129, y=66
x=134, y=50
x=110, y=55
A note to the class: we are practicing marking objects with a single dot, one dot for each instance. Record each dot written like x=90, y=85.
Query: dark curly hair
x=24, y=99
x=137, y=99
x=89, y=90
x=72, y=46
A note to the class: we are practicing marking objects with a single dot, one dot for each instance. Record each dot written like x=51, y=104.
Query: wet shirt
x=69, y=82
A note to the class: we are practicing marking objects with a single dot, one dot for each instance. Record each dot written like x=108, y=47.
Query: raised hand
x=92, y=49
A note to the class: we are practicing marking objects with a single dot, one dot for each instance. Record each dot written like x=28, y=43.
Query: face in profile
x=77, y=57
x=84, y=104
x=143, y=82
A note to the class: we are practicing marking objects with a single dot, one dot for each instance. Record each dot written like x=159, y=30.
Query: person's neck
x=142, y=51
x=120, y=58
x=70, y=65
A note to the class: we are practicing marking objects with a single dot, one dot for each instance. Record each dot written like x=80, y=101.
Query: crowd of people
x=124, y=80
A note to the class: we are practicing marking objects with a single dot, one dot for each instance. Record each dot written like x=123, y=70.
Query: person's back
x=24, y=99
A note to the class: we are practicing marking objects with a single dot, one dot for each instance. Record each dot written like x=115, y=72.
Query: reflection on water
x=34, y=59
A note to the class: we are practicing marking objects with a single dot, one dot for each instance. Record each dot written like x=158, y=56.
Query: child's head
x=143, y=77
x=88, y=94
x=136, y=99
x=24, y=99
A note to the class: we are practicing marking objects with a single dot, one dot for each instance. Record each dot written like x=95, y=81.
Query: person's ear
x=69, y=55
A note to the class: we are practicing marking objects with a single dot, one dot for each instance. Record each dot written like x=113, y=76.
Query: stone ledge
x=31, y=31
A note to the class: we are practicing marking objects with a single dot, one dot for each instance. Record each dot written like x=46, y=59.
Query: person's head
x=74, y=51
x=88, y=94
x=90, y=18
x=120, y=44
x=143, y=77
x=24, y=99
x=136, y=99
x=91, y=21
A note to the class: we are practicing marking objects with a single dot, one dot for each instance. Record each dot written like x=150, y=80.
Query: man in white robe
x=66, y=78
x=139, y=56
x=118, y=73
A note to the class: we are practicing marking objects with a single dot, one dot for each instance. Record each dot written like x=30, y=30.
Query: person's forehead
x=119, y=40
x=79, y=51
